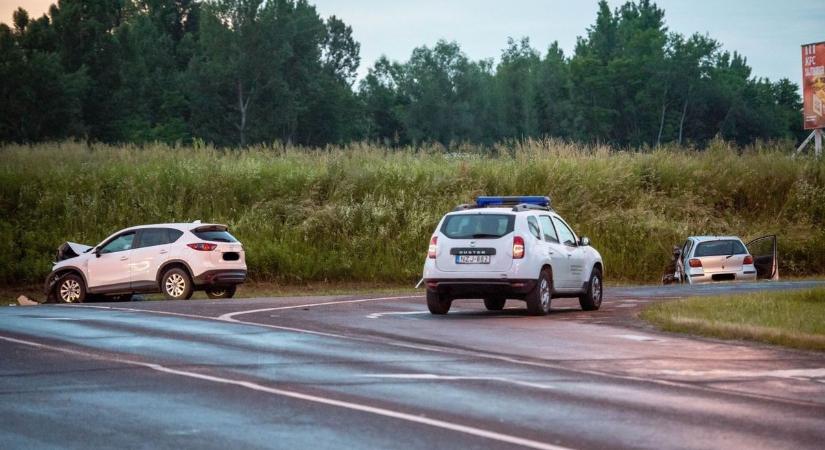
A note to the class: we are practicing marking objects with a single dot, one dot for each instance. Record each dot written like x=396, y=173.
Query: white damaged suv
x=510, y=248
x=174, y=258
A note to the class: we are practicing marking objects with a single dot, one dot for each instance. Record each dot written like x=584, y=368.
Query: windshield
x=720, y=248
x=477, y=226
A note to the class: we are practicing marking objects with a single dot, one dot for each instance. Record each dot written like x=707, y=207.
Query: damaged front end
x=70, y=250
x=67, y=250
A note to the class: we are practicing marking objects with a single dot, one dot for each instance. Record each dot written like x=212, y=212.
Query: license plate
x=472, y=259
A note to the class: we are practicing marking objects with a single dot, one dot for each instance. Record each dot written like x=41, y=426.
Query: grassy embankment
x=364, y=213
x=793, y=319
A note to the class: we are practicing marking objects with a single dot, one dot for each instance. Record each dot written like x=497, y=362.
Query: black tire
x=494, y=303
x=176, y=284
x=70, y=289
x=592, y=299
x=221, y=292
x=538, y=300
x=438, y=304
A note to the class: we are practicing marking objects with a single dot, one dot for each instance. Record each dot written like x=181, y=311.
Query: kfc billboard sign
x=813, y=85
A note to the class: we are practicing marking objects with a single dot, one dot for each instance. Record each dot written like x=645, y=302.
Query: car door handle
x=163, y=252
x=124, y=258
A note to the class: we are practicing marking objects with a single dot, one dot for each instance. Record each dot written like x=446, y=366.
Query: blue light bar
x=485, y=201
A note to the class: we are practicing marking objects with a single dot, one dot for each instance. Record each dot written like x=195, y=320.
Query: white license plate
x=472, y=259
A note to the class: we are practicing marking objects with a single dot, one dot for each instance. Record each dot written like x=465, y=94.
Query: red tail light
x=433, y=247
x=202, y=246
x=748, y=259
x=695, y=262
x=518, y=247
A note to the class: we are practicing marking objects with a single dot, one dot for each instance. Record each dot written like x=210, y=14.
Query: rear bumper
x=220, y=277
x=480, y=288
x=723, y=276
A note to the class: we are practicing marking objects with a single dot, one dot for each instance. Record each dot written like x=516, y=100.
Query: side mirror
x=584, y=241
x=97, y=252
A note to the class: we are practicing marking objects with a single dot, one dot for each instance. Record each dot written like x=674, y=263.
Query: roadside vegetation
x=364, y=213
x=792, y=319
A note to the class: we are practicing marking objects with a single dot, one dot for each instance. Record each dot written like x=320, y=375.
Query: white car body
x=133, y=260
x=708, y=259
x=542, y=231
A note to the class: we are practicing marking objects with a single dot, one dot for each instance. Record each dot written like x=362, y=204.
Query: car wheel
x=592, y=299
x=538, y=300
x=221, y=292
x=176, y=284
x=438, y=304
x=71, y=289
x=494, y=303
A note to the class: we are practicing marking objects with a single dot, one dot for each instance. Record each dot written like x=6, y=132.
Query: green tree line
x=240, y=72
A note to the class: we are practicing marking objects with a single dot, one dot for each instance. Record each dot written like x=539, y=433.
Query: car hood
x=70, y=250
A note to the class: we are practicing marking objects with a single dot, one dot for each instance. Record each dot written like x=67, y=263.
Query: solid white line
x=432, y=376
x=230, y=316
x=381, y=314
x=510, y=439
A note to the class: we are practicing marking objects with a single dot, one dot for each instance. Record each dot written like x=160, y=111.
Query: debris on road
x=25, y=301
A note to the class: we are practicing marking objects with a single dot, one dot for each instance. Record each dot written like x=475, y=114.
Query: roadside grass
x=791, y=318
x=365, y=213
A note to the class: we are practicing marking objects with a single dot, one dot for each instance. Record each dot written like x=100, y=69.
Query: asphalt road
x=372, y=372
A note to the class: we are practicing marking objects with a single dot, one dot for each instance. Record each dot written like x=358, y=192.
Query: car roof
x=505, y=210
x=714, y=238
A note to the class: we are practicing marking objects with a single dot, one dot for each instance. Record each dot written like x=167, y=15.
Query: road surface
x=381, y=372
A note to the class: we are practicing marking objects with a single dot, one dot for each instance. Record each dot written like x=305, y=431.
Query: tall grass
x=366, y=213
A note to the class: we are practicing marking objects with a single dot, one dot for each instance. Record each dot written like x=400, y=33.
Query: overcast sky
x=768, y=32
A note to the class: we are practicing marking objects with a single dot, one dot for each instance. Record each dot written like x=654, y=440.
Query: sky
x=768, y=33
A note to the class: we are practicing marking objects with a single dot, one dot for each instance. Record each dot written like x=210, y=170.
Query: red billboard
x=813, y=85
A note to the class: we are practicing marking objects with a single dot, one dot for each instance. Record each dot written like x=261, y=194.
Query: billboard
x=813, y=85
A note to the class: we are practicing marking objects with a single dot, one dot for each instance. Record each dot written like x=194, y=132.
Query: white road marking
x=230, y=316
x=636, y=337
x=432, y=376
x=477, y=354
x=808, y=374
x=381, y=314
x=501, y=437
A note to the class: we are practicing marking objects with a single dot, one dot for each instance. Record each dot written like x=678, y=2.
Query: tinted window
x=566, y=235
x=477, y=226
x=548, y=230
x=533, y=225
x=720, y=248
x=150, y=237
x=215, y=236
x=119, y=244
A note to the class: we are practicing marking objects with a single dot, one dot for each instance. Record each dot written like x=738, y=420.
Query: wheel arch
x=172, y=264
x=57, y=274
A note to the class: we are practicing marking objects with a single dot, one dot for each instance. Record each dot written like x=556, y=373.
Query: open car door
x=763, y=250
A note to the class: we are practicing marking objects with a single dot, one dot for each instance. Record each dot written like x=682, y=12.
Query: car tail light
x=748, y=259
x=518, y=247
x=433, y=247
x=695, y=262
x=202, y=246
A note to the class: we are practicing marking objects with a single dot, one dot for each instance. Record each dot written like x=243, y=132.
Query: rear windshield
x=477, y=226
x=215, y=236
x=720, y=248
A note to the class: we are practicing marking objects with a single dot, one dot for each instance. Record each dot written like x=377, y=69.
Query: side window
x=533, y=225
x=150, y=237
x=566, y=235
x=548, y=229
x=119, y=244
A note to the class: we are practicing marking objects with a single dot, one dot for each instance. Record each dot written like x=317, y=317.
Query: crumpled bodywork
x=70, y=250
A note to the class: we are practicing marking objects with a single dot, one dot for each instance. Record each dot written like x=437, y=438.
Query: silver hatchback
x=726, y=258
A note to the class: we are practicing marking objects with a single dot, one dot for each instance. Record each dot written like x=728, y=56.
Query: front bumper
x=220, y=277
x=456, y=288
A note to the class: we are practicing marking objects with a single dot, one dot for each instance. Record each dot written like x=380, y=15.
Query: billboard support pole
x=816, y=135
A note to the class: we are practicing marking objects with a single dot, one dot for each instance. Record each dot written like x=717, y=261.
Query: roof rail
x=529, y=207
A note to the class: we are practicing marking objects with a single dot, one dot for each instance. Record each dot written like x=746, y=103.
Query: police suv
x=510, y=248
